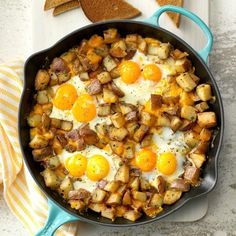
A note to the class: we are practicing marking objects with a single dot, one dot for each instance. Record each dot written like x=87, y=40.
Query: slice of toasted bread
x=100, y=10
x=66, y=7
x=175, y=17
x=49, y=4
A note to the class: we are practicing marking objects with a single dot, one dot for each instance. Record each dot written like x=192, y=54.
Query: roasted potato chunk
x=126, y=108
x=182, y=65
x=192, y=174
x=132, y=127
x=152, y=211
x=171, y=196
x=140, y=133
x=134, y=183
x=34, y=120
x=147, y=141
x=197, y=159
x=114, y=199
x=191, y=138
x=109, y=213
x=121, y=210
x=94, y=87
x=41, y=80
x=201, y=148
x=175, y=123
x=156, y=200
x=207, y=119
x=109, y=63
x=66, y=186
x=132, y=215
x=117, y=134
x=204, y=92
x=117, y=147
x=118, y=120
x=186, y=82
x=112, y=186
x=180, y=184
x=163, y=51
x=127, y=200
x=104, y=77
x=110, y=35
x=202, y=106
x=144, y=184
x=156, y=101
x=131, y=116
x=109, y=96
x=163, y=121
x=205, y=135
x=104, y=109
x=189, y=113
x=42, y=97
x=50, y=178
x=102, y=128
x=147, y=119
x=140, y=196
x=77, y=204
x=42, y=153
x=98, y=195
x=129, y=150
x=123, y=174
x=160, y=184
x=38, y=141
x=53, y=162
x=97, y=207
x=118, y=49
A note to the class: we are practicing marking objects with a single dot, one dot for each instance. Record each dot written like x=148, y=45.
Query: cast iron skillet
x=59, y=211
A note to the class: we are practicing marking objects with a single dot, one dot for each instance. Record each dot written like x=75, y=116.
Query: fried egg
x=165, y=157
x=72, y=103
x=140, y=77
x=90, y=166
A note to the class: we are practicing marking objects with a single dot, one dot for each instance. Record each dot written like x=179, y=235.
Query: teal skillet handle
x=56, y=218
x=154, y=19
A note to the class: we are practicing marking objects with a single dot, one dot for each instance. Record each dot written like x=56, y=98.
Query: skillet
x=59, y=211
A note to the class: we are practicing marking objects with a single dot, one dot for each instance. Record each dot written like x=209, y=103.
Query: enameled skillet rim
x=217, y=94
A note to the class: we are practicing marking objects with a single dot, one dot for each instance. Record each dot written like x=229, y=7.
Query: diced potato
x=132, y=127
x=109, y=63
x=156, y=101
x=109, y=96
x=191, y=138
x=144, y=184
x=147, y=140
x=115, y=73
x=98, y=195
x=52, y=162
x=102, y=50
x=127, y=198
x=171, y=196
x=198, y=159
x=121, y=210
x=41, y=80
x=196, y=128
x=84, y=76
x=160, y=184
x=201, y=148
x=110, y=35
x=117, y=134
x=77, y=204
x=163, y=121
x=191, y=174
x=152, y=211
x=42, y=97
x=102, y=128
x=38, y=141
x=126, y=108
x=94, y=87
x=129, y=150
x=55, y=123
x=186, y=99
x=68, y=57
x=134, y=184
x=66, y=125
x=112, y=186
x=50, y=178
x=147, y=119
x=156, y=200
x=97, y=207
x=104, y=110
x=163, y=51
x=140, y=133
x=114, y=199
x=189, y=113
x=118, y=49
x=122, y=188
x=118, y=120
x=175, y=123
x=104, y=77
x=182, y=65
x=204, y=92
x=180, y=185
x=117, y=147
x=47, y=108
x=34, y=131
x=186, y=82
x=140, y=196
x=186, y=125
x=138, y=205
x=207, y=119
x=132, y=215
x=56, y=146
x=116, y=90
x=42, y=154
x=142, y=46
x=202, y=106
x=34, y=120
x=109, y=213
x=205, y=135
x=95, y=41
x=123, y=174
x=66, y=186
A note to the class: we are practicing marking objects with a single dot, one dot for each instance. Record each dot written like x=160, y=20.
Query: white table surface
x=15, y=42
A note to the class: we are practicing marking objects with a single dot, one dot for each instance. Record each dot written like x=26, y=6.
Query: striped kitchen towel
x=21, y=193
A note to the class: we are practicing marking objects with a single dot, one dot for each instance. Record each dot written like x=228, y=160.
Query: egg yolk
x=152, y=72
x=76, y=165
x=167, y=163
x=98, y=168
x=84, y=108
x=145, y=160
x=129, y=71
x=65, y=97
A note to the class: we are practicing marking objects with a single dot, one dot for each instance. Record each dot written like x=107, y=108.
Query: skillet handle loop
x=56, y=218
x=155, y=18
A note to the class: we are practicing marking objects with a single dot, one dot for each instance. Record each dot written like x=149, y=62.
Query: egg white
x=85, y=182
x=140, y=90
x=168, y=141
x=67, y=114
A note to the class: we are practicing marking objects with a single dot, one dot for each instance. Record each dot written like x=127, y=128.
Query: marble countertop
x=15, y=42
